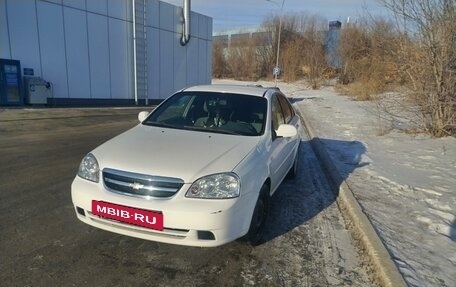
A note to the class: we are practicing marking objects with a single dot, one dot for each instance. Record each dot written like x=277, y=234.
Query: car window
x=286, y=108
x=212, y=112
x=176, y=110
x=277, y=114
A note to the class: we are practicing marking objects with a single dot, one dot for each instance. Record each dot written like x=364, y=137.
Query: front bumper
x=187, y=221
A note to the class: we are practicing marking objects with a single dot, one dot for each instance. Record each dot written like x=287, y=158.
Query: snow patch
x=405, y=183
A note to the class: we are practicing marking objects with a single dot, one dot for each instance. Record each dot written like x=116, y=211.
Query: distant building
x=332, y=44
x=335, y=24
x=261, y=38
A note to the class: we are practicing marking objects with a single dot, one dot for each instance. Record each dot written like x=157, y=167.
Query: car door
x=281, y=148
x=292, y=119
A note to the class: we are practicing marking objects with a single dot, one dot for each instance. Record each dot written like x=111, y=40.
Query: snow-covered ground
x=405, y=183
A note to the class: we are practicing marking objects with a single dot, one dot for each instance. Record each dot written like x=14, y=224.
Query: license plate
x=135, y=216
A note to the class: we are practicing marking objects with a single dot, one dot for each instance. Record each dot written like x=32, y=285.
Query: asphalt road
x=43, y=244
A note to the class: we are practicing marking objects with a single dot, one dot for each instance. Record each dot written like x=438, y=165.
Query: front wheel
x=260, y=215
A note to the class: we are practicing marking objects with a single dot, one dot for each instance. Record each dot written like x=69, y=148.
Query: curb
x=384, y=268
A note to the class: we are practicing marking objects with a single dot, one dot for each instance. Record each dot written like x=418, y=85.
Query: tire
x=259, y=217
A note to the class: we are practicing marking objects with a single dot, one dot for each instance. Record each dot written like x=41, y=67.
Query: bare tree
x=219, y=65
x=242, y=57
x=302, y=45
x=368, y=51
x=428, y=58
x=267, y=54
x=315, y=58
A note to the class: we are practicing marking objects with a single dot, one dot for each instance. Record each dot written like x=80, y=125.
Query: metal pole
x=186, y=7
x=278, y=36
x=135, y=76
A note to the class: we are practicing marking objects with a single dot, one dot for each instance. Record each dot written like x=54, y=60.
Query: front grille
x=140, y=185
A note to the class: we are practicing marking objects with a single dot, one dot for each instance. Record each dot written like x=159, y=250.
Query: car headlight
x=217, y=186
x=89, y=169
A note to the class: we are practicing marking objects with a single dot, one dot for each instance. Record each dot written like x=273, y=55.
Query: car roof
x=251, y=90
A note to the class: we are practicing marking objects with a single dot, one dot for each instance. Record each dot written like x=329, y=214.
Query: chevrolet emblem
x=136, y=186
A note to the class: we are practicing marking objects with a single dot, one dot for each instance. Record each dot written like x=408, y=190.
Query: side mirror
x=142, y=116
x=286, y=131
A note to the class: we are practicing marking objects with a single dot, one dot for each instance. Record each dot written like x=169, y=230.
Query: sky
x=237, y=14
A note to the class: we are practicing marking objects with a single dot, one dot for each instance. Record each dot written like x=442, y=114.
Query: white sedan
x=198, y=170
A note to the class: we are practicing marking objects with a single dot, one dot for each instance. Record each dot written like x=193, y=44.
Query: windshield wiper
x=212, y=130
x=229, y=132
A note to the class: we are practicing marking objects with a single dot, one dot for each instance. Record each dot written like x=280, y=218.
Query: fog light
x=205, y=235
x=80, y=211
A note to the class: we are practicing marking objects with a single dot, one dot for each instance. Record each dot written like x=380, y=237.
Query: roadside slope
x=405, y=184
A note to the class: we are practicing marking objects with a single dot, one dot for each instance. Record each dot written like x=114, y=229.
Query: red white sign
x=135, y=216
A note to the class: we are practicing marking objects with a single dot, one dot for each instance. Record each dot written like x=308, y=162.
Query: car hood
x=182, y=154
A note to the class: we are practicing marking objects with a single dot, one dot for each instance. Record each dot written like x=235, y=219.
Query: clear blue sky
x=236, y=14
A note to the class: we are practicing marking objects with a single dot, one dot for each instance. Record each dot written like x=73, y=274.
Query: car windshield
x=212, y=112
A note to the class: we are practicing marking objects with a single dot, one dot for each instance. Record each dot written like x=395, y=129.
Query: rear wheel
x=260, y=214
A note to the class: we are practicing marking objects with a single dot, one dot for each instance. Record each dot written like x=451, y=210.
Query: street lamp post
x=276, y=68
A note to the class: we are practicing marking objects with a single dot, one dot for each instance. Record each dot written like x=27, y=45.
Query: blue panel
x=153, y=16
x=209, y=62
x=55, y=1
x=119, y=59
x=129, y=11
x=99, y=56
x=118, y=8
x=202, y=27
x=202, y=61
x=98, y=6
x=80, y=4
x=50, y=22
x=130, y=67
x=178, y=20
x=180, y=64
x=166, y=64
x=5, y=52
x=77, y=53
x=23, y=33
x=166, y=16
x=209, y=28
x=192, y=62
x=194, y=25
x=153, y=63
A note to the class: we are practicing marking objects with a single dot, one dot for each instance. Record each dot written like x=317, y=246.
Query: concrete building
x=332, y=44
x=86, y=49
x=260, y=38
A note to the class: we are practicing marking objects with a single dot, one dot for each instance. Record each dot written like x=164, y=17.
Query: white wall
x=5, y=51
x=119, y=60
x=84, y=47
x=100, y=65
x=53, y=50
x=76, y=46
x=171, y=66
x=23, y=33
